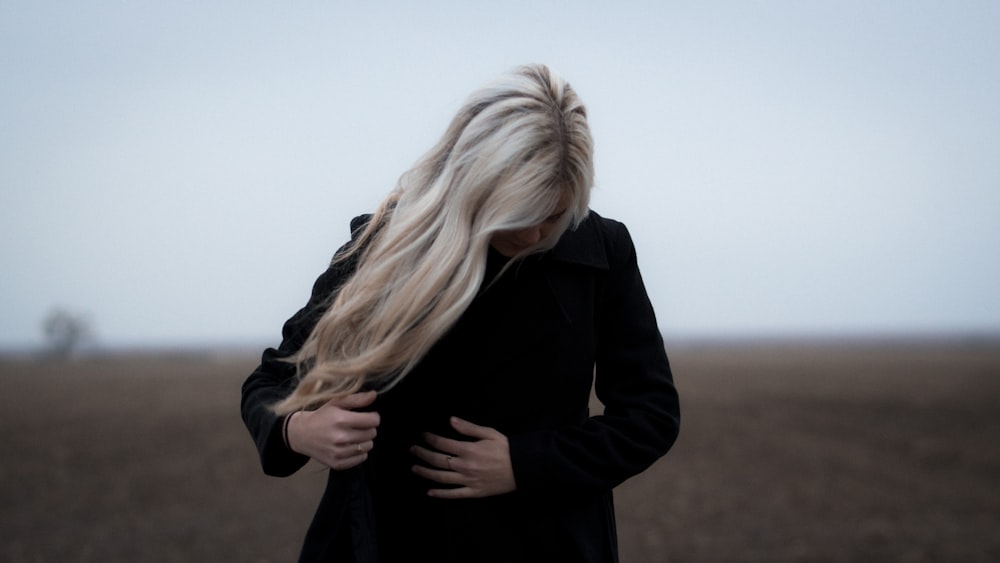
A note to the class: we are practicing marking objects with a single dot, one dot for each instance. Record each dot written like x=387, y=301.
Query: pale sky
x=180, y=172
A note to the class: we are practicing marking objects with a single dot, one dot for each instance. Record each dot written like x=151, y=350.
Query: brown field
x=875, y=452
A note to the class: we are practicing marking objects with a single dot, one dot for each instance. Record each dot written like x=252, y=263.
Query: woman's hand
x=334, y=434
x=481, y=468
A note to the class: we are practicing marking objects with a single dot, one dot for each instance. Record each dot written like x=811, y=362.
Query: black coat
x=522, y=359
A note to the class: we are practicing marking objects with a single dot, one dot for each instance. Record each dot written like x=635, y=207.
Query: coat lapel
x=582, y=247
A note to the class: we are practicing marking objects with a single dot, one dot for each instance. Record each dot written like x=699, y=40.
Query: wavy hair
x=515, y=149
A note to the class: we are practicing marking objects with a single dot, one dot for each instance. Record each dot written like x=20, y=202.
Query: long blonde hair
x=511, y=153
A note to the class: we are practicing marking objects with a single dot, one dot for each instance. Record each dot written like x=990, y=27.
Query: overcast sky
x=180, y=172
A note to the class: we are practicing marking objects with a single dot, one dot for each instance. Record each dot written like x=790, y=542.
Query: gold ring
x=359, y=447
x=448, y=459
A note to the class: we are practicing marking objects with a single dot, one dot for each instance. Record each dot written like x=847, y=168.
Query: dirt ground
x=882, y=451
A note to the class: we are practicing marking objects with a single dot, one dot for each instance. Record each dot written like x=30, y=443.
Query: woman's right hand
x=335, y=434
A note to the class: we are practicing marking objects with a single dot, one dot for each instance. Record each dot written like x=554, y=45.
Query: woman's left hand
x=476, y=469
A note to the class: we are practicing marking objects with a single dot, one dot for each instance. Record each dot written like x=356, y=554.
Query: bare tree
x=65, y=332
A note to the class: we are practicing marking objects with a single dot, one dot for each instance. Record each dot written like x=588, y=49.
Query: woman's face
x=512, y=243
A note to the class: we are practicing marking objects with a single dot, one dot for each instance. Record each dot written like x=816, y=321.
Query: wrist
x=287, y=430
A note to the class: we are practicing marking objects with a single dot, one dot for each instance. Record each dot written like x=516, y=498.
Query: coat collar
x=583, y=246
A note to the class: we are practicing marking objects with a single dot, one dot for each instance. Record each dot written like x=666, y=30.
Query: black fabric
x=522, y=360
x=343, y=528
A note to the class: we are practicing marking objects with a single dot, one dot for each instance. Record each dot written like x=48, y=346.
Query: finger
x=457, y=493
x=340, y=417
x=366, y=421
x=360, y=435
x=446, y=445
x=467, y=428
x=435, y=459
x=353, y=401
x=362, y=447
x=439, y=476
x=351, y=438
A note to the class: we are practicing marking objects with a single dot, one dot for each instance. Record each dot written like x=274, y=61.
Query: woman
x=443, y=366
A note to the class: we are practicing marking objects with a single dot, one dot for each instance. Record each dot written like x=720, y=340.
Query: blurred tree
x=65, y=332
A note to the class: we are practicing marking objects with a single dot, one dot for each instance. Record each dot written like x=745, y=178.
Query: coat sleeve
x=275, y=377
x=641, y=417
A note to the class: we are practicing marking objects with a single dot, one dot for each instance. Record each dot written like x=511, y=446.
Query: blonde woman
x=443, y=366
